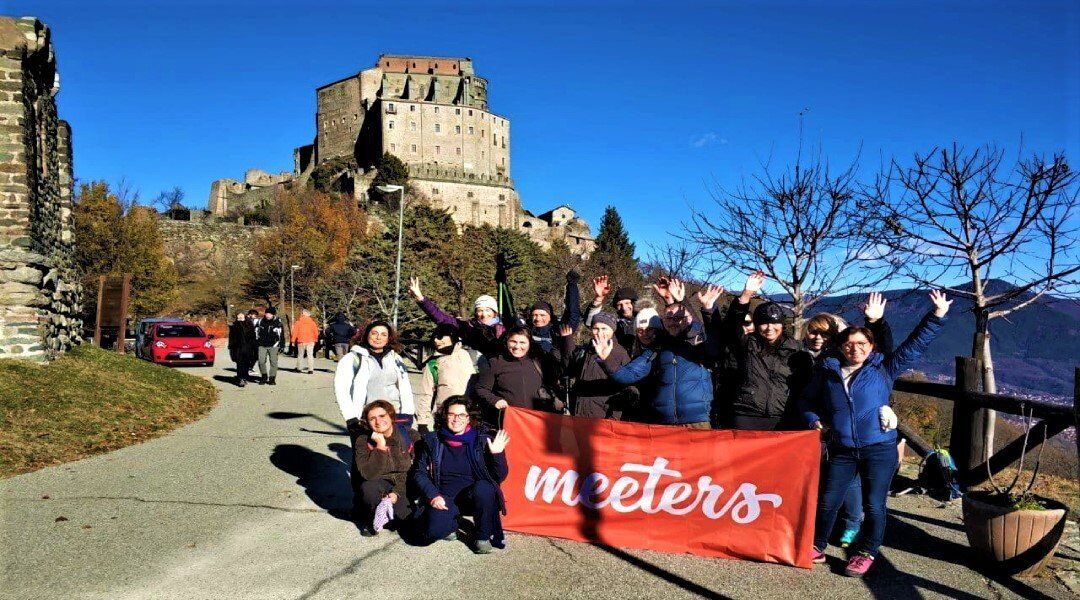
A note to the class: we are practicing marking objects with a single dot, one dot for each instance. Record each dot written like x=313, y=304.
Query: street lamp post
x=292, y=296
x=389, y=189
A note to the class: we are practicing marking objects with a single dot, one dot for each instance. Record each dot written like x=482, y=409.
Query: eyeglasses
x=459, y=416
x=853, y=345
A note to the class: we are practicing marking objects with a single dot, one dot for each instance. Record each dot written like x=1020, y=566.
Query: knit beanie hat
x=541, y=305
x=486, y=301
x=444, y=330
x=648, y=318
x=604, y=318
x=624, y=293
x=769, y=312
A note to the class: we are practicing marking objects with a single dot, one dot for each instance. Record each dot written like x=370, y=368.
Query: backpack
x=938, y=475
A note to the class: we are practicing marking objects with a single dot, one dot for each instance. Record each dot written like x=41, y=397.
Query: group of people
x=256, y=339
x=656, y=362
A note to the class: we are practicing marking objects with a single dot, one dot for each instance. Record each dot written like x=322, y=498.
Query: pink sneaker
x=859, y=565
x=819, y=556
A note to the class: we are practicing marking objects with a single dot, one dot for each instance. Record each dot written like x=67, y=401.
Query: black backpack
x=938, y=476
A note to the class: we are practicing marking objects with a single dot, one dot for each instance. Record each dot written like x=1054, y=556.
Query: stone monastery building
x=433, y=114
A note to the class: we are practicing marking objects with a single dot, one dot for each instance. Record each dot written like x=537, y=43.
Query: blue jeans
x=853, y=512
x=874, y=467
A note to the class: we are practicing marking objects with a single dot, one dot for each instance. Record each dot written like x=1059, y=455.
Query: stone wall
x=198, y=245
x=39, y=290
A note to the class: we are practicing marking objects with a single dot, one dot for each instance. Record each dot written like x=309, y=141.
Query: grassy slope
x=88, y=402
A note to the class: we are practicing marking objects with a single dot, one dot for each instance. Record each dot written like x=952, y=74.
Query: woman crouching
x=458, y=471
x=383, y=463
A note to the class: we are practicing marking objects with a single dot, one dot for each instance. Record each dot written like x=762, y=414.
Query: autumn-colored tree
x=113, y=236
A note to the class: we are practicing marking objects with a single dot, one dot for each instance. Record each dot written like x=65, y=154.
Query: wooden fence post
x=967, y=440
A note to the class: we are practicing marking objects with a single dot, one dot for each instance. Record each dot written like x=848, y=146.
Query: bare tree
x=962, y=216
x=806, y=227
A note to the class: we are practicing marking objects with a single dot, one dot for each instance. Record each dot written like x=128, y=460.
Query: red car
x=178, y=343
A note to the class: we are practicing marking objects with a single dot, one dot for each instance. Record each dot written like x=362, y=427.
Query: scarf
x=467, y=437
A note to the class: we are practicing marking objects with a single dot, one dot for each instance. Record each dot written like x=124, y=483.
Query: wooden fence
x=967, y=438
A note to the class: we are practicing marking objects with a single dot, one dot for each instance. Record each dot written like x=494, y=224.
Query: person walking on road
x=304, y=334
x=338, y=334
x=269, y=334
x=242, y=347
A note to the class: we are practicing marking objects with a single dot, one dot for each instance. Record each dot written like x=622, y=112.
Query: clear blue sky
x=636, y=105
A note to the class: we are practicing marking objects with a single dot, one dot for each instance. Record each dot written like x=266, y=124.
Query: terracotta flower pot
x=1016, y=542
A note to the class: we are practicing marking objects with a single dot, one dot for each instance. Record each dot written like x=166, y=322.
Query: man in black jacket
x=269, y=336
x=338, y=333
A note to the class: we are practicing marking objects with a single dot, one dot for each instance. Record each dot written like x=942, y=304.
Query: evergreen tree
x=390, y=171
x=614, y=254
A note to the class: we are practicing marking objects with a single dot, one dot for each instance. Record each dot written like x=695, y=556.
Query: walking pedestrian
x=305, y=333
x=459, y=468
x=242, y=347
x=269, y=335
x=338, y=334
x=850, y=397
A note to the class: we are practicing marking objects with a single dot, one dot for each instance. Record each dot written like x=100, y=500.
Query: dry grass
x=88, y=402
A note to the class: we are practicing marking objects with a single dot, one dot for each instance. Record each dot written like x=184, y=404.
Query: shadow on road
x=325, y=479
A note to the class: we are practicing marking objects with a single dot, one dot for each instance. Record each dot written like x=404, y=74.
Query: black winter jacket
x=771, y=377
x=242, y=346
x=269, y=332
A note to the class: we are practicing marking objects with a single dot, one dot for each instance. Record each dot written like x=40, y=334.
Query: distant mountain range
x=1036, y=349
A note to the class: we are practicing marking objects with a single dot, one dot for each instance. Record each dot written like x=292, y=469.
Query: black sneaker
x=273, y=381
x=368, y=531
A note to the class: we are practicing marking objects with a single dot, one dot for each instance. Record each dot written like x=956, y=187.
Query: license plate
x=187, y=355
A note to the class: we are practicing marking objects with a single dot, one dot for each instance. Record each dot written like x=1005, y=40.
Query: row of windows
x=457, y=111
x=457, y=130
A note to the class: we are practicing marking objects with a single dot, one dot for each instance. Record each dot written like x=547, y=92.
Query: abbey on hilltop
x=433, y=114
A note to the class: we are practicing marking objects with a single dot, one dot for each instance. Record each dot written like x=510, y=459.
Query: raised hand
x=708, y=295
x=498, y=444
x=678, y=290
x=941, y=303
x=603, y=346
x=414, y=289
x=438, y=503
x=662, y=290
x=874, y=308
x=566, y=330
x=753, y=285
x=601, y=287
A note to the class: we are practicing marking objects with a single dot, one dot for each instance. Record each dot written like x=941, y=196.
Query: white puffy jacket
x=351, y=380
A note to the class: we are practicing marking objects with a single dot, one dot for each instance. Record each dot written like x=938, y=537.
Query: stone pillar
x=39, y=290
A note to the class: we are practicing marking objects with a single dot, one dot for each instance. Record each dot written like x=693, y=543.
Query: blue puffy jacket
x=853, y=416
x=682, y=389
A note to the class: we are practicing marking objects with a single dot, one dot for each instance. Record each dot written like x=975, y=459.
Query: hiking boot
x=262, y=380
x=819, y=556
x=273, y=381
x=848, y=537
x=859, y=565
x=482, y=547
x=368, y=531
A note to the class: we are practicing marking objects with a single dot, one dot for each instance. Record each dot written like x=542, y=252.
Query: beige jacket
x=455, y=372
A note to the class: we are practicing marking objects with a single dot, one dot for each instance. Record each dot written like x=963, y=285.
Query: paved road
x=247, y=503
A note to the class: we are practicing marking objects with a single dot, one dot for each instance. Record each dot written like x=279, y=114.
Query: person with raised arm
x=483, y=332
x=850, y=396
x=592, y=393
x=458, y=470
x=542, y=323
x=624, y=302
x=678, y=385
x=772, y=366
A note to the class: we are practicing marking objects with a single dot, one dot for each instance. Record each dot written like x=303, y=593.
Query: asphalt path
x=250, y=502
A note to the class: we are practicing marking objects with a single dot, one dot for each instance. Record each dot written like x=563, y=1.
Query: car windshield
x=176, y=331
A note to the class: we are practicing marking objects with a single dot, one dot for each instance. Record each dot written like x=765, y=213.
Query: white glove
x=888, y=418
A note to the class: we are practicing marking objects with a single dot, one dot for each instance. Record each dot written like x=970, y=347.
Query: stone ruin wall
x=39, y=289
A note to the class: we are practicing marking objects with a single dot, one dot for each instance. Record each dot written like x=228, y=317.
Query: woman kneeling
x=383, y=464
x=458, y=470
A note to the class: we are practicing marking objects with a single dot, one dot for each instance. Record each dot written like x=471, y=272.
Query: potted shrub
x=1016, y=532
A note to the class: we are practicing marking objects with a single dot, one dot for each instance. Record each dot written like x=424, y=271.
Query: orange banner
x=733, y=494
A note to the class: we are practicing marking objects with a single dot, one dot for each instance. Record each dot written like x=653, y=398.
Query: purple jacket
x=485, y=339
